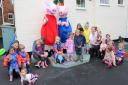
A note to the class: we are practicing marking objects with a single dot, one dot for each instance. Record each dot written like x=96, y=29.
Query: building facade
x=111, y=16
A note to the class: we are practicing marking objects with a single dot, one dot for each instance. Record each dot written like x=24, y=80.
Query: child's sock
x=11, y=78
x=46, y=63
x=43, y=65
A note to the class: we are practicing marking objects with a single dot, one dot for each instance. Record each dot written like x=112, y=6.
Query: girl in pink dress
x=109, y=58
x=69, y=45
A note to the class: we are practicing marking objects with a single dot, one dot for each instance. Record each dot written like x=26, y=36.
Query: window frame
x=104, y=4
x=13, y=18
x=120, y=5
x=80, y=7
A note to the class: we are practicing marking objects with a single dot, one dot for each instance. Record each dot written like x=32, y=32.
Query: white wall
x=112, y=19
x=29, y=15
x=80, y=15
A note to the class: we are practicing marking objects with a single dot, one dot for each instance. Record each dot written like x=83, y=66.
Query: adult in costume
x=49, y=29
x=64, y=26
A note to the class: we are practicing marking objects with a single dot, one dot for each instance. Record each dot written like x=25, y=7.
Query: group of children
x=18, y=61
x=83, y=41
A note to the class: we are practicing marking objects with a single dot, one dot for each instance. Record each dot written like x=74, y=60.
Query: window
x=11, y=18
x=80, y=4
x=104, y=2
x=120, y=2
x=58, y=1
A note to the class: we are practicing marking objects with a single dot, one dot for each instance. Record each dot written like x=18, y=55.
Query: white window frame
x=11, y=14
x=80, y=7
x=105, y=4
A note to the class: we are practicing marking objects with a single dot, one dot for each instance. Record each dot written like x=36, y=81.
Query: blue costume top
x=64, y=31
x=13, y=62
x=120, y=53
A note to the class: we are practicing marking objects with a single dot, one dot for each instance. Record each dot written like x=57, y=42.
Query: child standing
x=12, y=60
x=87, y=34
x=78, y=41
x=69, y=45
x=25, y=59
x=28, y=79
x=58, y=51
x=93, y=42
x=109, y=58
x=83, y=40
x=40, y=54
x=79, y=26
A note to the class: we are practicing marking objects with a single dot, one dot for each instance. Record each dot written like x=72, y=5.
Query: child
x=103, y=48
x=12, y=60
x=58, y=51
x=121, y=53
x=79, y=26
x=40, y=54
x=93, y=42
x=69, y=45
x=25, y=59
x=28, y=79
x=83, y=40
x=112, y=45
x=15, y=45
x=109, y=58
x=78, y=41
x=87, y=34
x=108, y=38
x=99, y=37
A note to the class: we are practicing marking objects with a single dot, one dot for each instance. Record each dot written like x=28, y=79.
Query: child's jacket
x=11, y=60
x=24, y=58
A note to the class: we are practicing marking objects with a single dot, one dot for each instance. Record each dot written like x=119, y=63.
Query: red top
x=50, y=30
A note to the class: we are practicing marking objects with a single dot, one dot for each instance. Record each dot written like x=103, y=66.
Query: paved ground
x=93, y=73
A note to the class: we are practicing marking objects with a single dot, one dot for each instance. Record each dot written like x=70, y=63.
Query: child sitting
x=40, y=54
x=78, y=40
x=12, y=60
x=25, y=59
x=28, y=79
x=58, y=51
x=102, y=49
x=112, y=45
x=69, y=45
x=121, y=53
x=109, y=58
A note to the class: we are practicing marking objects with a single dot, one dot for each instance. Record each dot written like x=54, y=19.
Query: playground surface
x=93, y=73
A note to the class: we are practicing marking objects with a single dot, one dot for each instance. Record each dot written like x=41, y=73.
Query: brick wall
x=8, y=8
